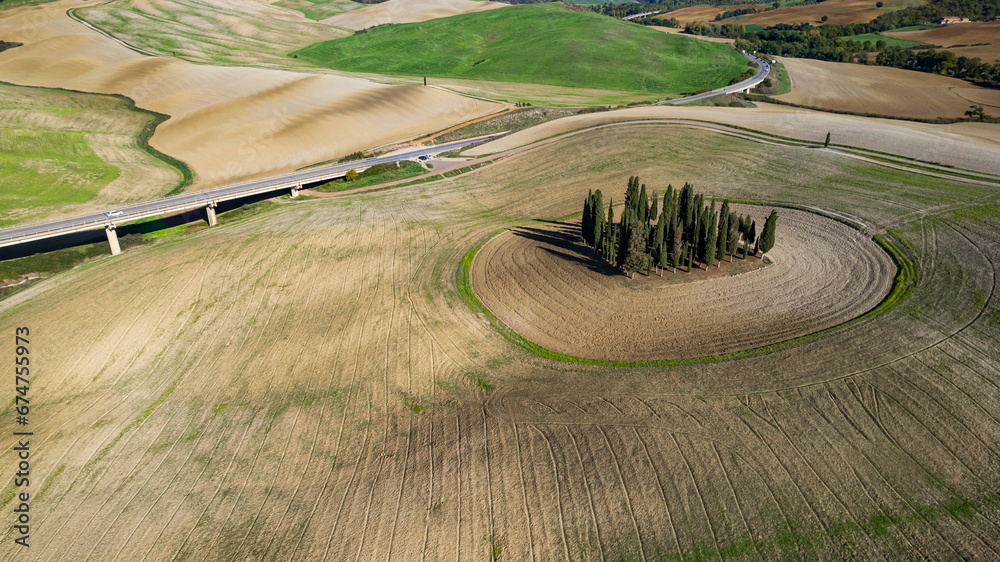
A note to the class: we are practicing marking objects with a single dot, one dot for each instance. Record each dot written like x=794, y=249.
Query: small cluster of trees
x=683, y=230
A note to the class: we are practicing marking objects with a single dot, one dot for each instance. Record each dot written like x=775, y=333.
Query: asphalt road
x=765, y=69
x=189, y=201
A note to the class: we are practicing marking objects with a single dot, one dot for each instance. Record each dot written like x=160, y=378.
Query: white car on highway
x=113, y=214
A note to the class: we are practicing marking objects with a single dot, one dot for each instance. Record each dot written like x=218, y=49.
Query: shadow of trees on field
x=563, y=241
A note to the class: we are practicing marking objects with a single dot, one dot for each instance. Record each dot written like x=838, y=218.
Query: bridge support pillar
x=113, y=239
x=210, y=214
x=295, y=191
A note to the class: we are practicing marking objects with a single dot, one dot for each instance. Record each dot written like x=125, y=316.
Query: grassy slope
x=47, y=147
x=45, y=168
x=539, y=43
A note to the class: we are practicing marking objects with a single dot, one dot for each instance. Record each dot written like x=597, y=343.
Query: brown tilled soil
x=976, y=39
x=881, y=90
x=309, y=384
x=839, y=12
x=541, y=282
x=706, y=13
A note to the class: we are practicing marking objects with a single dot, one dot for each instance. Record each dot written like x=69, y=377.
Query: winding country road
x=765, y=69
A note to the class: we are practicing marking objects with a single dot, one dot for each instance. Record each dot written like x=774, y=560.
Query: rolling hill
x=538, y=44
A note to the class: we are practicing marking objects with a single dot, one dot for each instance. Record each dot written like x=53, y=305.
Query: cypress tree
x=690, y=253
x=597, y=220
x=752, y=233
x=659, y=232
x=687, y=210
x=722, y=237
x=711, y=241
x=609, y=247
x=634, y=257
x=767, y=237
x=642, y=207
x=732, y=236
x=677, y=239
x=586, y=228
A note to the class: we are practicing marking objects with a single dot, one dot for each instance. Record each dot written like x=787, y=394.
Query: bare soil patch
x=554, y=292
x=881, y=90
x=976, y=39
x=838, y=11
x=705, y=13
x=308, y=383
x=408, y=11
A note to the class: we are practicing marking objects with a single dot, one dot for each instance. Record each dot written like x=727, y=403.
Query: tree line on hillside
x=832, y=42
x=683, y=230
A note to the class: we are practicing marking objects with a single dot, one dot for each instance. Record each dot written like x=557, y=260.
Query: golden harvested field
x=309, y=383
x=547, y=287
x=882, y=90
x=231, y=32
x=984, y=35
x=228, y=123
x=971, y=146
x=840, y=12
x=705, y=13
x=408, y=11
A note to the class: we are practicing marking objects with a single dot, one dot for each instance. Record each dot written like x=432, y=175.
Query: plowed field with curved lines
x=542, y=284
x=311, y=383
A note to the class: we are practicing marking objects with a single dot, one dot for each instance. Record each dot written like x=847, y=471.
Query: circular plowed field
x=550, y=289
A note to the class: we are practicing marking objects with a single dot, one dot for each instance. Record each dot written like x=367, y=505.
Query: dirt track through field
x=553, y=291
x=308, y=383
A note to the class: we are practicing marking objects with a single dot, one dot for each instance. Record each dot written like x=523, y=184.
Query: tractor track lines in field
x=628, y=499
x=812, y=469
x=586, y=487
x=859, y=449
x=736, y=498
x=90, y=459
x=555, y=480
x=663, y=496
x=697, y=492
x=524, y=493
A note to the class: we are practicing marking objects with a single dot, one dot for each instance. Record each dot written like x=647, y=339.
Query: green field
x=319, y=9
x=46, y=168
x=913, y=28
x=538, y=44
x=890, y=41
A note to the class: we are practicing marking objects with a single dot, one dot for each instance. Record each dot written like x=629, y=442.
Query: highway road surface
x=765, y=69
x=190, y=201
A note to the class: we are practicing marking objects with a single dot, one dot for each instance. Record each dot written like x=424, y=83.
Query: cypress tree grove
x=586, y=228
x=597, y=219
x=767, y=237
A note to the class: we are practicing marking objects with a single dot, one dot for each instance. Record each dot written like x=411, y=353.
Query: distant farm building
x=948, y=20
